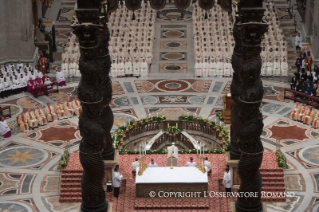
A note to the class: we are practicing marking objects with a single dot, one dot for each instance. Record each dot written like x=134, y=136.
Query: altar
x=160, y=181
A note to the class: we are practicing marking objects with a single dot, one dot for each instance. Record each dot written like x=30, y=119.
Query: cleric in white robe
x=190, y=163
x=135, y=165
x=60, y=78
x=4, y=128
x=152, y=163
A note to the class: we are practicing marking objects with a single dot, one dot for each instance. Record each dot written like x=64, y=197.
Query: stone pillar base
x=233, y=171
x=233, y=207
x=109, y=207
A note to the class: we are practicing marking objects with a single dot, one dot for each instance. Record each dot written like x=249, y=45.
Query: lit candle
x=129, y=122
x=145, y=148
x=200, y=149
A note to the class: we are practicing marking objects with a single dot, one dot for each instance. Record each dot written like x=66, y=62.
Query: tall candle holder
x=172, y=161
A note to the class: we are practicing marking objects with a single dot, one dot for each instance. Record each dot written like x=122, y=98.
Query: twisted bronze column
x=247, y=93
x=95, y=94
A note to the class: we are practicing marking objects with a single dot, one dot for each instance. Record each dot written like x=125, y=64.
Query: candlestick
x=197, y=147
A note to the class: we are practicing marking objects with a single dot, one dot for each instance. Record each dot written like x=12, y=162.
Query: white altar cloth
x=175, y=175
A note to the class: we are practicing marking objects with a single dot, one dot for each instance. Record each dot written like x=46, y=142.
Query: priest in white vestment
x=208, y=166
x=135, y=165
x=172, y=150
x=60, y=78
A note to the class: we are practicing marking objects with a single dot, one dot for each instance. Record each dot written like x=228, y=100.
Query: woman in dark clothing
x=303, y=76
x=298, y=63
x=316, y=69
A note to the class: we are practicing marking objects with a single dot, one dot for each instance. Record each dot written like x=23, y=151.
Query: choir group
x=214, y=43
x=32, y=119
x=131, y=41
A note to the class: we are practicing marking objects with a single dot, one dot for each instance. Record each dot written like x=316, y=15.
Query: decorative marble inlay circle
x=173, y=44
x=149, y=100
x=310, y=154
x=173, y=56
x=9, y=206
x=172, y=85
x=173, y=67
x=22, y=156
x=173, y=34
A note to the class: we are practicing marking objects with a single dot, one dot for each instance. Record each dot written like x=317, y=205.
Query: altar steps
x=172, y=203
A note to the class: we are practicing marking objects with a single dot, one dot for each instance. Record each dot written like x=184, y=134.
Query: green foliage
x=64, y=160
x=120, y=132
x=281, y=159
x=172, y=130
x=220, y=116
x=164, y=151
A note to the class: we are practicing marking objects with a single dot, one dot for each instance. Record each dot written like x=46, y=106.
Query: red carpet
x=272, y=175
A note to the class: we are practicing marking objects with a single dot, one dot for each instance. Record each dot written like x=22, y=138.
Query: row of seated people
x=128, y=68
x=213, y=35
x=214, y=68
x=32, y=119
x=274, y=46
x=305, y=114
x=70, y=57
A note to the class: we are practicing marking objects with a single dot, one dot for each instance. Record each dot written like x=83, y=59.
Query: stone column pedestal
x=109, y=168
x=233, y=171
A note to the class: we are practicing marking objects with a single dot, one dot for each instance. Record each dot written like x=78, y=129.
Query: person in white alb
x=128, y=67
x=298, y=41
x=270, y=66
x=136, y=68
x=144, y=68
x=205, y=68
x=135, y=165
x=65, y=68
x=152, y=163
x=198, y=68
x=208, y=166
x=284, y=68
x=227, y=182
x=120, y=68
x=114, y=69
x=220, y=68
x=227, y=68
x=190, y=163
x=212, y=67
x=117, y=178
x=276, y=68
x=263, y=68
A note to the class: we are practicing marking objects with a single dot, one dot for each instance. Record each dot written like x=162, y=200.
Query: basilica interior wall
x=16, y=34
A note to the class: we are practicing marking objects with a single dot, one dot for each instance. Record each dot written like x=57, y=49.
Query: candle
x=157, y=114
x=176, y=125
x=203, y=150
x=197, y=147
x=145, y=148
x=200, y=149
x=129, y=122
x=167, y=124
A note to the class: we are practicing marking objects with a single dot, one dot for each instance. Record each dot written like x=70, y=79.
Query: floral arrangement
x=200, y=120
x=220, y=116
x=172, y=130
x=64, y=160
x=281, y=159
x=164, y=151
x=120, y=132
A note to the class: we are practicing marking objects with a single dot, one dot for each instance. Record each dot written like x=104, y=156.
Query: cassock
x=31, y=86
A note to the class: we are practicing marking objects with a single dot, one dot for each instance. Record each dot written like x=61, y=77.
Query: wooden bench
x=302, y=98
x=45, y=90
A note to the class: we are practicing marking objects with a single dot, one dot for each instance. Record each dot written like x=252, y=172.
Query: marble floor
x=29, y=179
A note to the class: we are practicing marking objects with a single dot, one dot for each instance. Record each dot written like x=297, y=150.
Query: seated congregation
x=306, y=115
x=39, y=117
x=19, y=77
